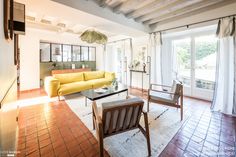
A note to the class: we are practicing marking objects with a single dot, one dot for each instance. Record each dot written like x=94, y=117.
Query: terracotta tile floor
x=52, y=129
x=205, y=134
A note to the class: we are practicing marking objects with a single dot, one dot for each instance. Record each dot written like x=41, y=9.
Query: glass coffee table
x=92, y=95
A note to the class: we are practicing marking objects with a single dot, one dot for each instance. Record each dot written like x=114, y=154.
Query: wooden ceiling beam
x=114, y=3
x=90, y=7
x=175, y=5
x=182, y=11
x=101, y=3
x=148, y=8
x=195, y=12
x=131, y=5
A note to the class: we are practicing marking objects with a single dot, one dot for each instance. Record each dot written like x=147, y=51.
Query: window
x=205, y=61
x=194, y=63
x=66, y=53
x=84, y=53
x=56, y=53
x=52, y=52
x=92, y=54
x=182, y=49
x=45, y=55
x=76, y=53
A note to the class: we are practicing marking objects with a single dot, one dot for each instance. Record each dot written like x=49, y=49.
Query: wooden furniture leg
x=148, y=105
x=100, y=141
x=147, y=133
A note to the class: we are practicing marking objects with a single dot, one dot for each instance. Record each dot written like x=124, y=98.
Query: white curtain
x=117, y=55
x=225, y=89
x=155, y=43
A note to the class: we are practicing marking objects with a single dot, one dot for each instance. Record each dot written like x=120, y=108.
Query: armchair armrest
x=153, y=84
x=162, y=92
x=51, y=86
x=96, y=115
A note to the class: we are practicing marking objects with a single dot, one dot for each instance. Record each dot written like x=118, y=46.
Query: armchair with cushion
x=118, y=117
x=170, y=96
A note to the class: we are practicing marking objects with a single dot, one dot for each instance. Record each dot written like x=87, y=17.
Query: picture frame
x=8, y=19
x=140, y=58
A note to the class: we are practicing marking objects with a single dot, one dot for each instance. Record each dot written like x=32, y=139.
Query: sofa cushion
x=160, y=96
x=93, y=75
x=110, y=76
x=99, y=82
x=74, y=87
x=69, y=77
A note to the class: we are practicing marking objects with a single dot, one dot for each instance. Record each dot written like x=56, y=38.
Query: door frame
x=192, y=90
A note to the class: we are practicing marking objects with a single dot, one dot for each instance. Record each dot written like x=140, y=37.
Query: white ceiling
x=46, y=14
x=133, y=18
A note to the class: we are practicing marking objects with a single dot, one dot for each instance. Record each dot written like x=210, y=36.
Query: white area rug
x=164, y=122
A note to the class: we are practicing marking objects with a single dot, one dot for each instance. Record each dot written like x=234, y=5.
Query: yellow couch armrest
x=51, y=86
x=110, y=76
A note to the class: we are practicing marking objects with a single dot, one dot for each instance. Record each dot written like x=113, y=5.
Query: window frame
x=72, y=52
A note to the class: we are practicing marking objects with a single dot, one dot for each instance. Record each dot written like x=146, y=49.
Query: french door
x=195, y=64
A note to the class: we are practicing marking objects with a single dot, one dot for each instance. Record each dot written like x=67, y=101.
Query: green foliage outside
x=203, y=49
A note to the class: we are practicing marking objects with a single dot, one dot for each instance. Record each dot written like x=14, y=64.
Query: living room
x=118, y=78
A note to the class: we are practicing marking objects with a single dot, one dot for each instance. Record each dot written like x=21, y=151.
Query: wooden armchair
x=172, y=97
x=118, y=117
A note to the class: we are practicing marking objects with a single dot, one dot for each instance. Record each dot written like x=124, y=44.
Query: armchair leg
x=148, y=105
x=147, y=133
x=93, y=117
x=100, y=144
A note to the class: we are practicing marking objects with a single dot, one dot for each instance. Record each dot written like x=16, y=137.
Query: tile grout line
x=49, y=135
x=205, y=136
x=192, y=134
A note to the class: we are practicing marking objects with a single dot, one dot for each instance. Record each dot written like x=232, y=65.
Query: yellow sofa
x=63, y=84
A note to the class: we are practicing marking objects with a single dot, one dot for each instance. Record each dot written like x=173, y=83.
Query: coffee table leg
x=93, y=117
x=85, y=101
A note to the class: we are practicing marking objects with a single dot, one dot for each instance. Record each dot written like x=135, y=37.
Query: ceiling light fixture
x=91, y=36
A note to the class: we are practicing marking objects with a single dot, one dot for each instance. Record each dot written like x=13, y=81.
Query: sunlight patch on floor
x=27, y=102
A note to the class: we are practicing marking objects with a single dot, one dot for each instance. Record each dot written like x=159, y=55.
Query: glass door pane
x=182, y=51
x=205, y=61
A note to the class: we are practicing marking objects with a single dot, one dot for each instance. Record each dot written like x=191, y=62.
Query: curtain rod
x=119, y=40
x=192, y=24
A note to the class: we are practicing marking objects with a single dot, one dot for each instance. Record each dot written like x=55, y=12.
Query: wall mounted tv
x=19, y=18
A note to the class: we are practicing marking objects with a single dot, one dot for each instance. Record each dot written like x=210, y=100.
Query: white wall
x=7, y=78
x=7, y=67
x=29, y=53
